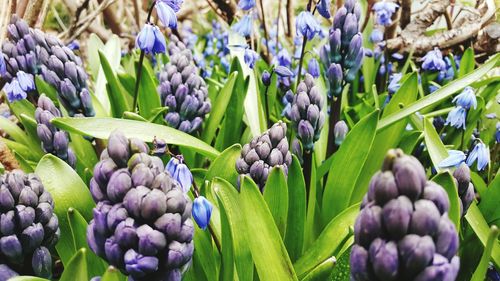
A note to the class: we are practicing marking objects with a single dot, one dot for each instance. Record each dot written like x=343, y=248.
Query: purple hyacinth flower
x=394, y=82
x=307, y=25
x=246, y=5
x=481, y=153
x=457, y=117
x=324, y=8
x=202, y=211
x=3, y=67
x=466, y=99
x=244, y=26
x=313, y=68
x=455, y=157
x=166, y=14
x=138, y=265
x=433, y=61
x=151, y=40
x=251, y=57
x=384, y=11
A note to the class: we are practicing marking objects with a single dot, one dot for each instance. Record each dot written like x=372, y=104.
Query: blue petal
x=172, y=166
x=146, y=38
x=184, y=177
x=160, y=46
x=246, y=4
x=166, y=15
x=455, y=157
x=202, y=211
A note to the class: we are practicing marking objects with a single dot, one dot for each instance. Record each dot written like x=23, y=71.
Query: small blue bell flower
x=307, y=25
x=244, y=26
x=324, y=8
x=457, y=117
x=151, y=40
x=481, y=153
x=455, y=157
x=202, y=211
x=246, y=5
x=466, y=99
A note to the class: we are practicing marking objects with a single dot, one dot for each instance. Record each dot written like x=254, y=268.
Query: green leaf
x=14, y=131
x=68, y=191
x=480, y=227
x=276, y=196
x=342, y=272
x=22, y=106
x=227, y=251
x=441, y=94
x=27, y=278
x=204, y=255
x=294, y=235
x=78, y=226
x=322, y=271
x=435, y=147
x=447, y=181
x=328, y=242
x=480, y=272
x=224, y=166
x=219, y=108
x=23, y=163
x=268, y=251
x=102, y=127
x=230, y=201
x=467, y=62
x=116, y=93
x=148, y=98
x=76, y=269
x=387, y=138
x=347, y=165
x=112, y=274
x=45, y=88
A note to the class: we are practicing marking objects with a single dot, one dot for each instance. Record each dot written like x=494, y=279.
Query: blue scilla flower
x=497, y=133
x=26, y=81
x=324, y=8
x=433, y=88
x=166, y=14
x=244, y=26
x=180, y=172
x=455, y=157
x=202, y=211
x=174, y=4
x=73, y=45
x=457, y=117
x=481, y=153
x=466, y=99
x=3, y=67
x=307, y=25
x=433, y=61
x=246, y=4
x=251, y=57
x=151, y=40
x=394, y=82
x=284, y=58
x=19, y=87
x=283, y=71
x=313, y=68
x=376, y=36
x=384, y=11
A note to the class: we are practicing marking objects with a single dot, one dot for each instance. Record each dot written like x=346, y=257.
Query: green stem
x=307, y=169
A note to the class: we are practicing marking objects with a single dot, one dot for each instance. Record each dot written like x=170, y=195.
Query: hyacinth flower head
x=3, y=67
x=265, y=152
x=465, y=187
x=36, y=53
x=384, y=11
x=433, y=61
x=307, y=25
x=142, y=221
x=340, y=131
x=466, y=99
x=28, y=226
x=403, y=231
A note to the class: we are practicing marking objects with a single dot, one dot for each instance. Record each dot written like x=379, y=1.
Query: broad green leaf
x=410, y=141
x=102, y=127
x=435, y=147
x=447, y=181
x=347, y=165
x=14, y=131
x=341, y=271
x=76, y=269
x=30, y=126
x=22, y=107
x=45, y=88
x=482, y=268
x=112, y=274
x=268, y=251
x=219, y=107
x=294, y=235
x=116, y=93
x=224, y=166
x=23, y=163
x=467, y=62
x=230, y=201
x=489, y=200
x=78, y=226
x=27, y=278
x=441, y=94
x=204, y=254
x=322, y=271
x=227, y=251
x=329, y=242
x=133, y=116
x=68, y=191
x=84, y=151
x=19, y=148
x=148, y=98
x=387, y=138
x=481, y=228
x=276, y=196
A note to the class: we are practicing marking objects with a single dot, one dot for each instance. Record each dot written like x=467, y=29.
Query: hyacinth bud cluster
x=184, y=92
x=403, y=231
x=264, y=152
x=465, y=187
x=53, y=140
x=28, y=226
x=34, y=52
x=306, y=112
x=344, y=53
x=142, y=222
x=175, y=45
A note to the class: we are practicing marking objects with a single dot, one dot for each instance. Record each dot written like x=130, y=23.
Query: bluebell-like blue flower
x=246, y=4
x=174, y=4
x=251, y=57
x=497, y=134
x=324, y=8
x=455, y=157
x=457, y=117
x=307, y=25
x=73, y=45
x=313, y=68
x=283, y=71
x=266, y=78
x=397, y=56
x=166, y=14
x=151, y=40
x=26, y=81
x=3, y=67
x=394, y=84
x=202, y=211
x=376, y=36
x=433, y=61
x=287, y=100
x=466, y=99
x=19, y=87
x=244, y=26
x=284, y=58
x=433, y=88
x=384, y=11
x=172, y=165
x=481, y=153
x=180, y=172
